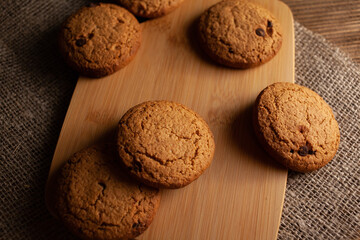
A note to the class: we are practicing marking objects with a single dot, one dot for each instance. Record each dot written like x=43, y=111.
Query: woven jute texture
x=326, y=204
x=36, y=88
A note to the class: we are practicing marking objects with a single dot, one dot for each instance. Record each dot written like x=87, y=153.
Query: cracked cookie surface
x=296, y=126
x=239, y=34
x=100, y=39
x=150, y=8
x=97, y=200
x=165, y=144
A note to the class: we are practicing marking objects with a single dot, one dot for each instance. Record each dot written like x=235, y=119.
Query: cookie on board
x=164, y=144
x=296, y=126
x=150, y=8
x=100, y=39
x=96, y=199
x=239, y=34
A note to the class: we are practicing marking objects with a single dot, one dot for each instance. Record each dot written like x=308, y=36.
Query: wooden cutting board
x=241, y=195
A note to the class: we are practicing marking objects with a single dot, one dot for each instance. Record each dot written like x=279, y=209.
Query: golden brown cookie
x=296, y=126
x=100, y=39
x=150, y=8
x=239, y=34
x=164, y=144
x=97, y=200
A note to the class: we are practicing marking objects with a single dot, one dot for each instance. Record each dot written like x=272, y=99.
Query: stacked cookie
x=110, y=191
x=101, y=38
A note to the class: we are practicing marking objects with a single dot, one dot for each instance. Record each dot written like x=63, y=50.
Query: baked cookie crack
x=164, y=143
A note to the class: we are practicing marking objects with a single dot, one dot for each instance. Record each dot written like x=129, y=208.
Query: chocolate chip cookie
x=150, y=8
x=100, y=39
x=296, y=126
x=96, y=199
x=164, y=144
x=239, y=34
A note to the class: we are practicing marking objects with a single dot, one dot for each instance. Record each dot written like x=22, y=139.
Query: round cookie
x=164, y=144
x=100, y=39
x=150, y=8
x=96, y=200
x=239, y=34
x=296, y=126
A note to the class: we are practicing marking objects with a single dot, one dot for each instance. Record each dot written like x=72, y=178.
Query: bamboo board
x=241, y=195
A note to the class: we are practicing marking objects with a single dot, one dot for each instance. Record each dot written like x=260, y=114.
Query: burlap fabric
x=326, y=204
x=36, y=88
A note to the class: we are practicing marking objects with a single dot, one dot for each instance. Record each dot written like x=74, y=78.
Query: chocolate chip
x=260, y=32
x=137, y=166
x=103, y=185
x=292, y=151
x=311, y=152
x=269, y=28
x=302, y=128
x=231, y=50
x=303, y=151
x=80, y=42
x=136, y=225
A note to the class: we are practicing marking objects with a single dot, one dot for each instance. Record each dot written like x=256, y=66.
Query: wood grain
x=337, y=20
x=241, y=195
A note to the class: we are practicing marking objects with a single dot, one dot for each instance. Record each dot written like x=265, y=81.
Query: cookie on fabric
x=100, y=39
x=96, y=199
x=296, y=126
x=164, y=144
x=150, y=8
x=239, y=34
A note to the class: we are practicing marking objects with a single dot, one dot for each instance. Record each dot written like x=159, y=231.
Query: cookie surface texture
x=150, y=8
x=165, y=144
x=97, y=200
x=239, y=34
x=100, y=39
x=296, y=126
